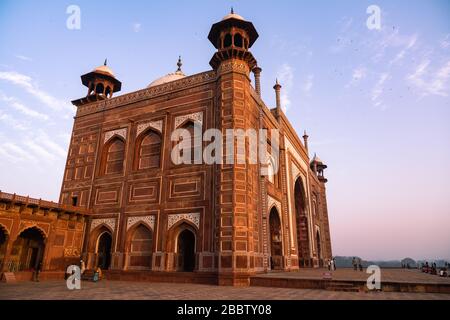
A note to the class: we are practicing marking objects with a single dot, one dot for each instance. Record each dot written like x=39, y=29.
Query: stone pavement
x=57, y=290
x=388, y=275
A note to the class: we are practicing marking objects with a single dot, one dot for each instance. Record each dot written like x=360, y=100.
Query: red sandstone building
x=127, y=207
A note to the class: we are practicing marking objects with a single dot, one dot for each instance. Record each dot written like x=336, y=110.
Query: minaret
x=101, y=83
x=257, y=72
x=233, y=37
x=305, y=140
x=237, y=203
x=277, y=88
x=317, y=166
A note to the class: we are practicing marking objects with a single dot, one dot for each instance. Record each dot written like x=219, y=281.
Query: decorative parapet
x=147, y=93
x=43, y=204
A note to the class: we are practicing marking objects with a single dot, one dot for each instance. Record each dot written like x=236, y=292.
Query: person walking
x=36, y=272
x=334, y=263
x=354, y=263
x=82, y=266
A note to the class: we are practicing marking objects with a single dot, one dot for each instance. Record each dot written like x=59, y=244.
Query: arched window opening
x=114, y=156
x=186, y=250
x=100, y=88
x=91, y=88
x=227, y=41
x=238, y=41
x=276, y=241
x=148, y=151
x=28, y=250
x=141, y=246
x=3, y=241
x=319, y=247
x=302, y=224
x=104, y=250
x=192, y=145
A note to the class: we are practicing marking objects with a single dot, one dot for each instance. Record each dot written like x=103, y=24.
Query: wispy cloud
x=307, y=87
x=17, y=105
x=430, y=83
x=31, y=87
x=137, y=27
x=12, y=122
x=445, y=43
x=378, y=90
x=358, y=74
x=51, y=145
x=285, y=76
x=409, y=45
x=24, y=58
x=39, y=150
x=17, y=153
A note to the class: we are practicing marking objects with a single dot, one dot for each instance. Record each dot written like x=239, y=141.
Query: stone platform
x=134, y=290
x=392, y=280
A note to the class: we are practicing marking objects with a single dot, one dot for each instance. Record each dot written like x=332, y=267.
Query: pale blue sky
x=374, y=102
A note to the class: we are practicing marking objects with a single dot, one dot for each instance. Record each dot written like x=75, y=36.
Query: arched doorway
x=302, y=224
x=276, y=243
x=104, y=250
x=3, y=242
x=28, y=250
x=140, y=248
x=186, y=251
x=319, y=249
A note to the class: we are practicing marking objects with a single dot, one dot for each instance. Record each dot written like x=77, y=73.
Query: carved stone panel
x=191, y=217
x=149, y=220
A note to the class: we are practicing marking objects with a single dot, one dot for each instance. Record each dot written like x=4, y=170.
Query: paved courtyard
x=387, y=275
x=57, y=290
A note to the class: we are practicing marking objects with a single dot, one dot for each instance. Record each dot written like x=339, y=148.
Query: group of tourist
x=331, y=264
x=97, y=275
x=357, y=264
x=433, y=269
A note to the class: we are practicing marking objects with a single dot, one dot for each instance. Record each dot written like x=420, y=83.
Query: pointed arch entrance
x=304, y=256
x=319, y=249
x=276, y=240
x=3, y=243
x=186, y=250
x=140, y=247
x=28, y=250
x=104, y=244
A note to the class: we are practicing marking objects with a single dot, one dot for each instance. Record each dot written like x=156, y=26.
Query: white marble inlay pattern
x=157, y=125
x=110, y=222
x=120, y=132
x=271, y=201
x=149, y=220
x=192, y=217
x=196, y=117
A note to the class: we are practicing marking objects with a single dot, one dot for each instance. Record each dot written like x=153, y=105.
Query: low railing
x=41, y=203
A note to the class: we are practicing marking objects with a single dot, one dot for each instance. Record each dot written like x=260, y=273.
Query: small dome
x=316, y=159
x=233, y=16
x=104, y=69
x=168, y=78
x=177, y=75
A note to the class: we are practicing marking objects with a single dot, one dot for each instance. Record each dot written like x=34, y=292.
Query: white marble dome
x=167, y=78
